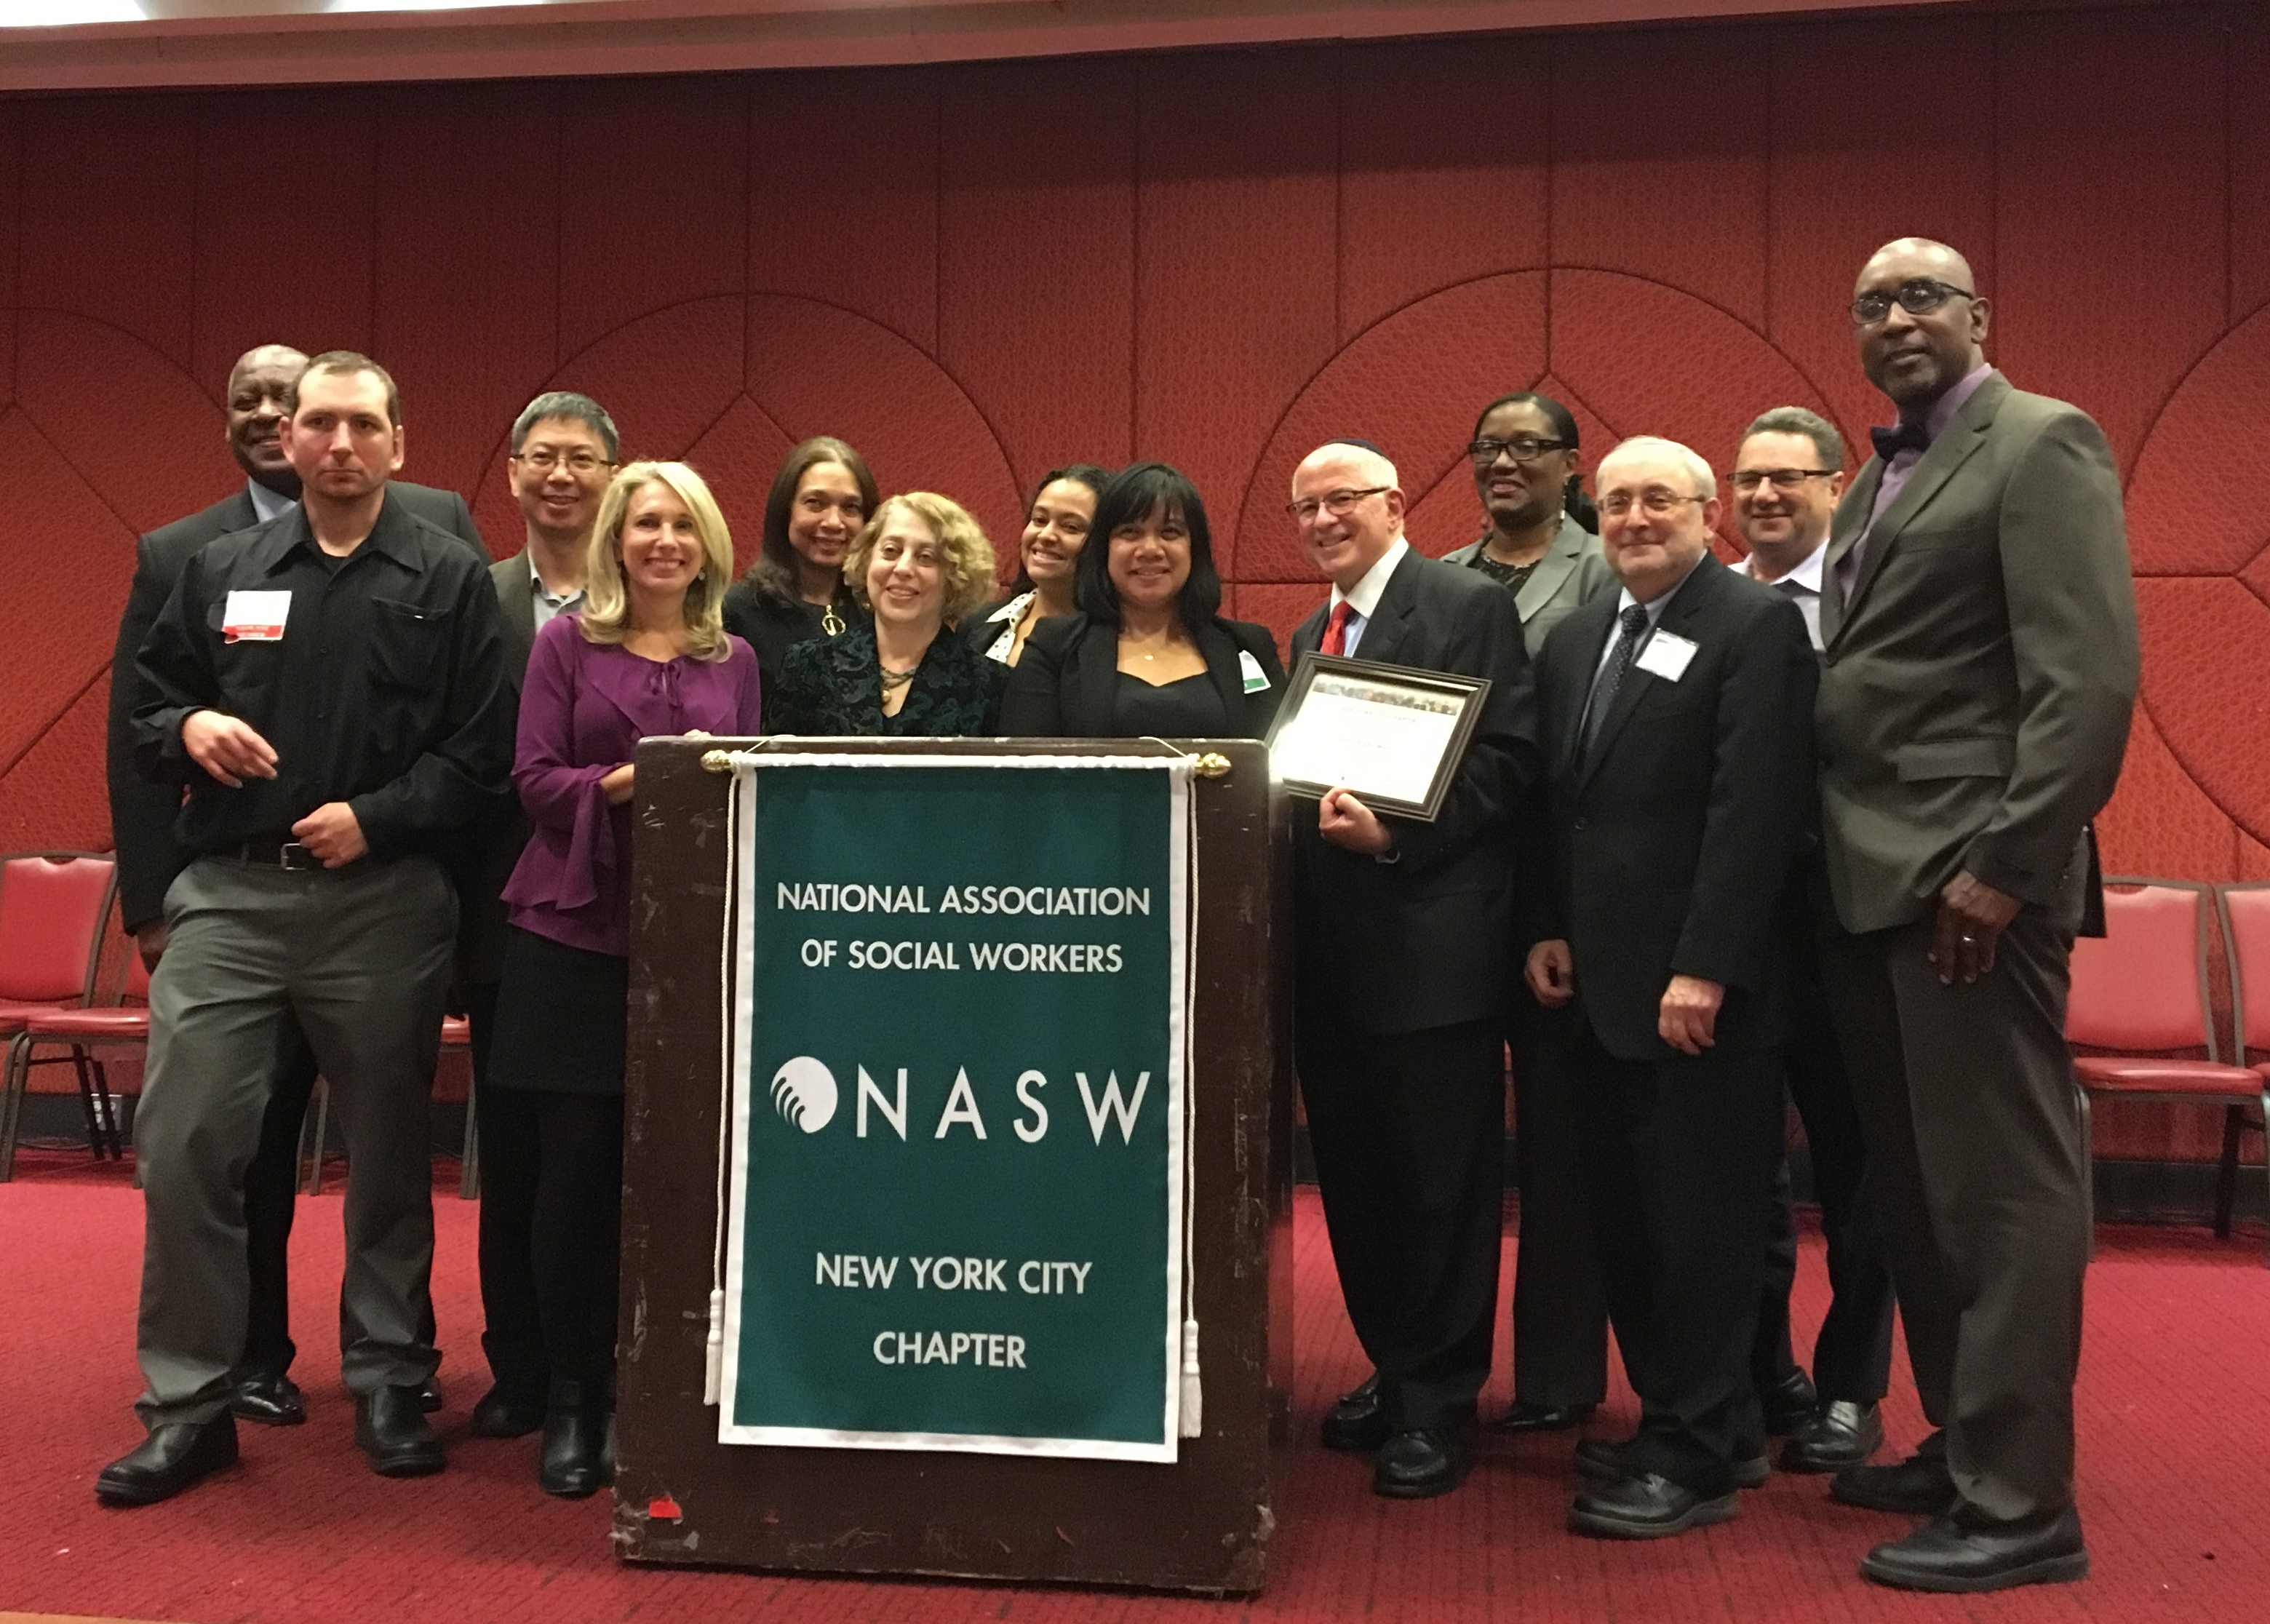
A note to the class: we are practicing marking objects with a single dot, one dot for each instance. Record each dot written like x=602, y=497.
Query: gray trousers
x=1979, y=1173
x=361, y=960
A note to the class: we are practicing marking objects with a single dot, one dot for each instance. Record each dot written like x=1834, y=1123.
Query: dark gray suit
x=1974, y=707
x=142, y=815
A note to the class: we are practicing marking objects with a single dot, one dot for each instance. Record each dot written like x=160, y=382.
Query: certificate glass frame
x=1393, y=735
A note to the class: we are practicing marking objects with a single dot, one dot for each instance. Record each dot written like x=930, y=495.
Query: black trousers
x=1560, y=1307
x=512, y=1333
x=1681, y=1153
x=1979, y=1169
x=552, y=1188
x=1409, y=1135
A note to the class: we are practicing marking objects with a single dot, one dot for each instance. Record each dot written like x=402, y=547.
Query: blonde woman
x=647, y=656
x=918, y=565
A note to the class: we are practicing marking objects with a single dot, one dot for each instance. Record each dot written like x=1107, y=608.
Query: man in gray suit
x=564, y=451
x=1980, y=664
x=142, y=814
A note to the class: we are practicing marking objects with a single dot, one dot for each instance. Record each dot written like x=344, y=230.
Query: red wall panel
x=1218, y=258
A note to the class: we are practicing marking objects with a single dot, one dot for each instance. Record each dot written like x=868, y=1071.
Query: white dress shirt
x=1365, y=598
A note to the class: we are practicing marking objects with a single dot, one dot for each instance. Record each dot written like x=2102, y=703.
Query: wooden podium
x=1203, y=1522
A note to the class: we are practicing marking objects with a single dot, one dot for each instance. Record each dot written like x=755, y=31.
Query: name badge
x=1249, y=669
x=255, y=617
x=1667, y=655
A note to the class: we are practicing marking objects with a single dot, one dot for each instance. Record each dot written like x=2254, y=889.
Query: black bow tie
x=1906, y=437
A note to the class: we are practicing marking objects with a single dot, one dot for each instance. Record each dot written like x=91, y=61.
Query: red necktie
x=1336, y=629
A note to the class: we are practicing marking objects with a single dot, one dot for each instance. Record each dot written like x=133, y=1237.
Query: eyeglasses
x=1918, y=296
x=544, y=459
x=1524, y=448
x=1655, y=504
x=1788, y=481
x=1339, y=504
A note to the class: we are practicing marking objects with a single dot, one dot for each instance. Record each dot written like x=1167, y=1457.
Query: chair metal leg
x=2226, y=1178
x=2087, y=1155
x=86, y=1100
x=469, y=1176
x=319, y=1111
x=107, y=1103
x=13, y=1075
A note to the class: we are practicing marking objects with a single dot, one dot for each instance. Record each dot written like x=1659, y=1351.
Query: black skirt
x=562, y=1018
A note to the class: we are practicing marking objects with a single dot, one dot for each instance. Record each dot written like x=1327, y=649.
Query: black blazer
x=1426, y=940
x=142, y=814
x=1671, y=847
x=1068, y=683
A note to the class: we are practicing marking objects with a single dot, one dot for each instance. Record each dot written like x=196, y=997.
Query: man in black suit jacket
x=564, y=451
x=1677, y=719
x=142, y=815
x=1403, y=945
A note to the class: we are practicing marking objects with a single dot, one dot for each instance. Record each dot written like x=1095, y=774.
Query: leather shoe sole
x=170, y=1459
x=1602, y=1461
x=1527, y=1417
x=268, y=1401
x=1944, y=1557
x=1610, y=1515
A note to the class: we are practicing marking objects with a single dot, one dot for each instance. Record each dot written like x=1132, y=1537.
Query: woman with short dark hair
x=1149, y=654
x=1537, y=540
x=795, y=592
x=1056, y=522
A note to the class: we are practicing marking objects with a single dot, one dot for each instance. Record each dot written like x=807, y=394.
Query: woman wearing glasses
x=1539, y=544
x=796, y=592
x=1149, y=654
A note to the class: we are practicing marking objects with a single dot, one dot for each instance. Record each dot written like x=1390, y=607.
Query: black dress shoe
x=391, y=1429
x=1840, y=1434
x=430, y=1397
x=1527, y=1415
x=575, y=1460
x=508, y=1412
x=1787, y=1404
x=175, y=1455
x=1423, y=1462
x=1918, y=1487
x=1945, y=1556
x=1358, y=1423
x=1603, y=1460
x=1646, y=1507
x=270, y=1398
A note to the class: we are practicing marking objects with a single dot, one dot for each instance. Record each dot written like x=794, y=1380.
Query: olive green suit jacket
x=1977, y=681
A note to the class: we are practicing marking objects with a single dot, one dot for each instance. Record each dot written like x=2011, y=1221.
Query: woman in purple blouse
x=647, y=656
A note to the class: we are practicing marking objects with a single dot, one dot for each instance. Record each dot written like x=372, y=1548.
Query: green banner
x=956, y=1180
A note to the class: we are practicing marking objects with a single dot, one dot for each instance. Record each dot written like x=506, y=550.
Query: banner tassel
x=1192, y=1406
x=713, y=1376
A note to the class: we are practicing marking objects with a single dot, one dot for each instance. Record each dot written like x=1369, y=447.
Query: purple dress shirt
x=1897, y=472
x=583, y=707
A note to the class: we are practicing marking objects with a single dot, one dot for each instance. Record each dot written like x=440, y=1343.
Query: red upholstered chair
x=2142, y=989
x=52, y=908
x=122, y=1024
x=2246, y=943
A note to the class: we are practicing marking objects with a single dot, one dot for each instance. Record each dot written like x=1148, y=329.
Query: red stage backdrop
x=1216, y=258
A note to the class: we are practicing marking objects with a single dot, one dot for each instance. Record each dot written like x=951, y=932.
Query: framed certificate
x=1393, y=735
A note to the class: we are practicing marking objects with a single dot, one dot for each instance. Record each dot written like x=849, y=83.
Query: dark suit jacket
x=1426, y=940
x=142, y=814
x=1670, y=848
x=1068, y=683
x=495, y=845
x=1975, y=691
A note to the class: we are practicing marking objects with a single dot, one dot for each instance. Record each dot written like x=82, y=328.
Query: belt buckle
x=293, y=855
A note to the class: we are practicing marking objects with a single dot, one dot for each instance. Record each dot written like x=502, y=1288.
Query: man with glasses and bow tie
x=1677, y=724
x=1979, y=665
x=1403, y=952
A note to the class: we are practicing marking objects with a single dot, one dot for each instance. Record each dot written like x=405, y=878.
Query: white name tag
x=256, y=617
x=1667, y=655
x=1249, y=669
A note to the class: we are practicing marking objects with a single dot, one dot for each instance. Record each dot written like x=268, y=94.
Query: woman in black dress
x=1149, y=654
x=796, y=592
x=920, y=562
x=1056, y=523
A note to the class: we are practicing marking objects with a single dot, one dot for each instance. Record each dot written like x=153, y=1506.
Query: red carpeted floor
x=2175, y=1481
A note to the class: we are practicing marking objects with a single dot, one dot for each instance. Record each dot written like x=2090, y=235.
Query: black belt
x=283, y=854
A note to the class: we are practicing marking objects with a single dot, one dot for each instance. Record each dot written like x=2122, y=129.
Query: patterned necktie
x=1612, y=674
x=1336, y=629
